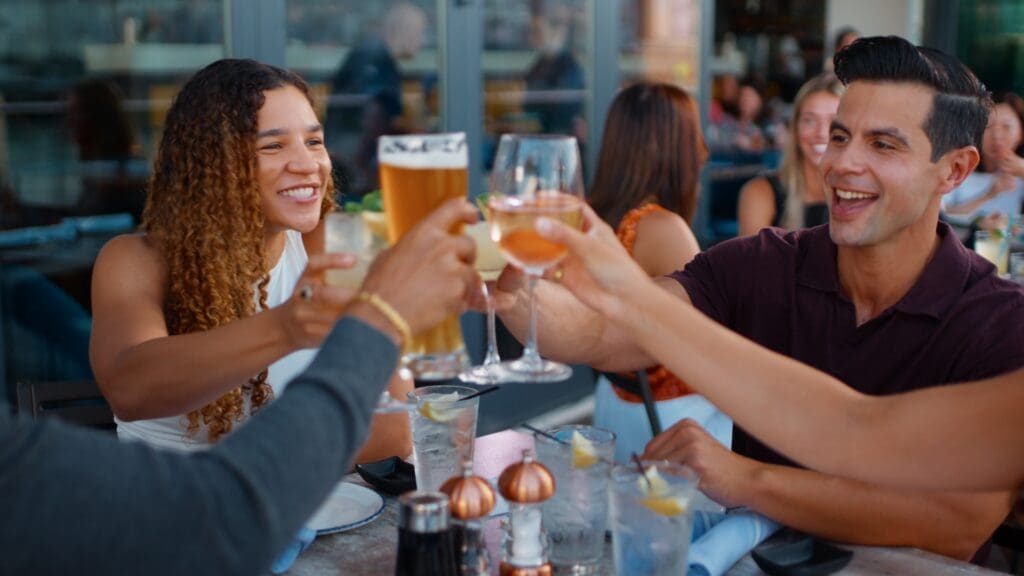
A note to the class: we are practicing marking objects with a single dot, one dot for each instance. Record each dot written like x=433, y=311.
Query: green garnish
x=353, y=207
x=372, y=202
x=481, y=204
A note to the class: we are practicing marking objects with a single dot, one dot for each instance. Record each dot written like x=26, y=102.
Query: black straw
x=545, y=434
x=493, y=388
x=550, y=436
x=640, y=468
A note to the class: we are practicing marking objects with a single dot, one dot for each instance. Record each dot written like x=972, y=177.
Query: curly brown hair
x=204, y=214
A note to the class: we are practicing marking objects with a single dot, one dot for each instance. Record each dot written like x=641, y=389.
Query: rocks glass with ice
x=652, y=518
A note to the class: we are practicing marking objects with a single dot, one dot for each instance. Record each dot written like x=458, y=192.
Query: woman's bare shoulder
x=756, y=206
x=758, y=188
x=664, y=243
x=130, y=253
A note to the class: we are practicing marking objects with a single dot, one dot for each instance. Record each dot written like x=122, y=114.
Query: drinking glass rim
x=625, y=474
x=425, y=391
x=609, y=436
x=425, y=136
x=551, y=137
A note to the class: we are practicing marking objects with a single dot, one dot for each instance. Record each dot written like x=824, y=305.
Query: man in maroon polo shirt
x=884, y=298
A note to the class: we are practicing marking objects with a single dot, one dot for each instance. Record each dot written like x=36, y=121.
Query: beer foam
x=424, y=151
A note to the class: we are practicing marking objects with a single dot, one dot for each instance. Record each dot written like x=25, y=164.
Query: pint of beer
x=418, y=173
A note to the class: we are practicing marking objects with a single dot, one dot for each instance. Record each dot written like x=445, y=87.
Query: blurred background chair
x=76, y=401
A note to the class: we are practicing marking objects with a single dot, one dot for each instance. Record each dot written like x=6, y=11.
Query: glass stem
x=530, y=355
x=492, y=337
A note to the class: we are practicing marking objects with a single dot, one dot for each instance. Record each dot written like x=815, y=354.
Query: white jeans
x=628, y=420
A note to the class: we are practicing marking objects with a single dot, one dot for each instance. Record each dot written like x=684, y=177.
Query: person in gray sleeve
x=75, y=501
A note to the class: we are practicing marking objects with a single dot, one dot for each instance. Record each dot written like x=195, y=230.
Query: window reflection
x=534, y=80
x=373, y=67
x=84, y=87
x=660, y=41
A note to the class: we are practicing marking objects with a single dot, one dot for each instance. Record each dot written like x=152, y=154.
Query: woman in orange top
x=646, y=188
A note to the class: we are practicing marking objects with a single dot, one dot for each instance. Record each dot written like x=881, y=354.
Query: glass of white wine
x=348, y=232
x=533, y=177
x=489, y=264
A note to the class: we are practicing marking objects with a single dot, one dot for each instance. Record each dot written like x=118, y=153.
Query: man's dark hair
x=961, y=105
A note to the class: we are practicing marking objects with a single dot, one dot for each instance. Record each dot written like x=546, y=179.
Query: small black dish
x=804, y=557
x=392, y=476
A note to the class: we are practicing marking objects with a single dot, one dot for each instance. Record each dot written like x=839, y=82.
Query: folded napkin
x=301, y=541
x=719, y=540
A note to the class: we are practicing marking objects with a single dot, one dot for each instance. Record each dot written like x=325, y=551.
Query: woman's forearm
x=971, y=206
x=173, y=375
x=782, y=402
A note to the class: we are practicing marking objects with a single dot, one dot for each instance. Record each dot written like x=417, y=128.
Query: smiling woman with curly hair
x=199, y=315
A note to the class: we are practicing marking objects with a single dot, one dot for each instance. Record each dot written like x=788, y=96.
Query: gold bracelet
x=390, y=313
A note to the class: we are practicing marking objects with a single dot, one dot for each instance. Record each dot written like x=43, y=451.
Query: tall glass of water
x=651, y=518
x=443, y=432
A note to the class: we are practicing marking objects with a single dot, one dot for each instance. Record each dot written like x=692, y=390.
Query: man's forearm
x=75, y=501
x=952, y=524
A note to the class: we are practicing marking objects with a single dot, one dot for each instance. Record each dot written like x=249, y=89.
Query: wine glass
x=489, y=264
x=533, y=177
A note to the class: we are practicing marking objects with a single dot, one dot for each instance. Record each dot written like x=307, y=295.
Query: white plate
x=348, y=506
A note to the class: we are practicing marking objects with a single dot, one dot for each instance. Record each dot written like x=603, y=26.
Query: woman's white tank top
x=171, y=432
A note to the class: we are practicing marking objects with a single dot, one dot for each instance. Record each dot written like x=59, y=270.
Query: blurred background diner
x=85, y=86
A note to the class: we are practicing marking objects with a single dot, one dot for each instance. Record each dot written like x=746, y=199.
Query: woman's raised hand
x=1012, y=164
x=314, y=307
x=598, y=270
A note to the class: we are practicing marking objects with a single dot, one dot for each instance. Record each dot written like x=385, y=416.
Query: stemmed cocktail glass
x=533, y=177
x=489, y=264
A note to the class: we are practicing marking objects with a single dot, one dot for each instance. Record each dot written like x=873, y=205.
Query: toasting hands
x=429, y=274
x=598, y=270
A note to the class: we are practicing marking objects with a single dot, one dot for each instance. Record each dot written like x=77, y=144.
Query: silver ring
x=306, y=292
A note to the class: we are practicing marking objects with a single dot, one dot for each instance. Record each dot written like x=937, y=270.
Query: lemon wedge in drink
x=584, y=455
x=658, y=495
x=377, y=223
x=442, y=408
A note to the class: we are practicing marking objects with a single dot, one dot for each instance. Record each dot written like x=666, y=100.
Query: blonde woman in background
x=794, y=197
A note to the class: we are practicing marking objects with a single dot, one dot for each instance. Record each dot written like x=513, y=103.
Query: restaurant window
x=534, y=69
x=660, y=41
x=373, y=68
x=84, y=89
x=990, y=40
